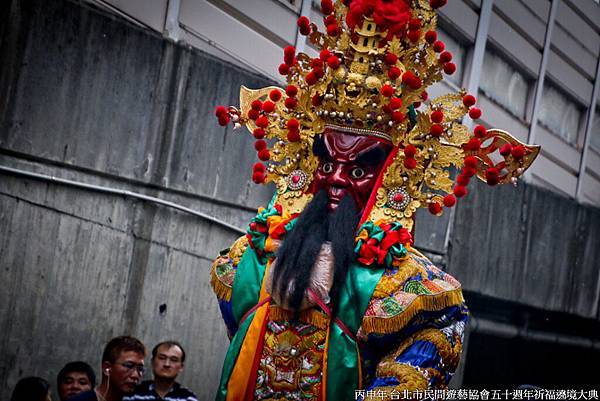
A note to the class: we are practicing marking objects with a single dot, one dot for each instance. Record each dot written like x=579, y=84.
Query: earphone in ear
x=107, y=371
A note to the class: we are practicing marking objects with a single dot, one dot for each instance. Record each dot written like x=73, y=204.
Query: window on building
x=559, y=113
x=458, y=56
x=502, y=83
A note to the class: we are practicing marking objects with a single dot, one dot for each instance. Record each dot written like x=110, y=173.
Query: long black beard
x=297, y=255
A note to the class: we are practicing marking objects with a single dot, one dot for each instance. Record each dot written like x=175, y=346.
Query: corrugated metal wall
x=86, y=96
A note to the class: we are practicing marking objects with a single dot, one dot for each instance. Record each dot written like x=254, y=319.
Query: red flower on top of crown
x=390, y=15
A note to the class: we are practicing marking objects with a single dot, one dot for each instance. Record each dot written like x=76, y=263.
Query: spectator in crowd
x=122, y=369
x=74, y=378
x=168, y=358
x=31, y=389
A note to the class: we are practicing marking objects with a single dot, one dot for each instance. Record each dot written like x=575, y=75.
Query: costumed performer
x=325, y=298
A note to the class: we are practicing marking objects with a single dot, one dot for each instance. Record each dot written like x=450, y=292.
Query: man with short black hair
x=168, y=358
x=74, y=378
x=122, y=369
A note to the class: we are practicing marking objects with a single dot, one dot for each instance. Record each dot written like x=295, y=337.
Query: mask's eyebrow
x=371, y=157
x=319, y=149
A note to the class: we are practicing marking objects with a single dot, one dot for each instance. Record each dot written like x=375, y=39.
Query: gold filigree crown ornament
x=376, y=59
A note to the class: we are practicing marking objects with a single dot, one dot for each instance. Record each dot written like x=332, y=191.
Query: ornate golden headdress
x=375, y=62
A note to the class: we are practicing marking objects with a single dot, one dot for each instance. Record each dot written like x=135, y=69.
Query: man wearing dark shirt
x=122, y=369
x=74, y=378
x=168, y=358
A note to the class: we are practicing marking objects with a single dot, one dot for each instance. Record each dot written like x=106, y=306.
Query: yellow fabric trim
x=388, y=285
x=410, y=380
x=450, y=354
x=221, y=290
x=409, y=377
x=238, y=381
x=237, y=249
x=310, y=316
x=430, y=303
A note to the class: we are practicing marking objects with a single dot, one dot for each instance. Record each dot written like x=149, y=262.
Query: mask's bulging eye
x=327, y=167
x=357, y=172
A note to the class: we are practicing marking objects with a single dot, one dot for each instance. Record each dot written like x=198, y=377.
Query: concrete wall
x=88, y=97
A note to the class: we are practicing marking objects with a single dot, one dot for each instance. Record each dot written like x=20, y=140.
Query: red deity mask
x=348, y=165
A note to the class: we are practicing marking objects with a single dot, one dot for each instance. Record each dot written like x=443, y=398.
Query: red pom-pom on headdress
x=303, y=25
x=260, y=145
x=291, y=103
x=410, y=150
x=506, y=149
x=275, y=95
x=259, y=133
x=387, y=90
x=471, y=161
x=479, y=131
x=460, y=191
x=449, y=68
x=394, y=73
x=437, y=116
x=289, y=55
x=390, y=59
x=333, y=62
x=311, y=78
x=293, y=136
x=445, y=56
x=326, y=7
x=435, y=208
x=463, y=180
x=436, y=130
x=437, y=3
x=395, y=103
x=398, y=116
x=284, y=69
x=469, y=100
x=223, y=120
x=220, y=110
x=293, y=125
x=518, y=152
x=262, y=122
x=492, y=176
x=291, y=90
x=473, y=144
x=264, y=155
x=332, y=30
x=268, y=106
x=410, y=163
x=430, y=36
x=256, y=105
x=324, y=55
x=474, y=113
x=253, y=114
x=414, y=36
x=449, y=200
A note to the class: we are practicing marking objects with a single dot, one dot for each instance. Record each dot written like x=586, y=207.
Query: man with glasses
x=122, y=370
x=168, y=358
